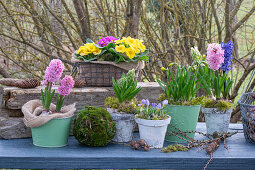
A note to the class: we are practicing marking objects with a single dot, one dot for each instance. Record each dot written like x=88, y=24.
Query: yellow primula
x=130, y=52
x=88, y=48
x=136, y=44
x=120, y=48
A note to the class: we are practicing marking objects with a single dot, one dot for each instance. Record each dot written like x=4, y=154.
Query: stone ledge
x=11, y=117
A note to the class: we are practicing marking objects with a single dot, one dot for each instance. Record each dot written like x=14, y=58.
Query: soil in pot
x=183, y=118
x=216, y=120
x=153, y=131
x=125, y=124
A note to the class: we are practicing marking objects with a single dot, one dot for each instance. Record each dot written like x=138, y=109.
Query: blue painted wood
x=20, y=153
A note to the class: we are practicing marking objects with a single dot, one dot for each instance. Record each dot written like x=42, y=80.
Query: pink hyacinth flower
x=66, y=85
x=53, y=72
x=215, y=56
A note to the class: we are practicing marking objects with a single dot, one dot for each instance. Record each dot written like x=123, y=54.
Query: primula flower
x=106, y=40
x=66, y=84
x=53, y=72
x=87, y=49
x=215, y=56
x=228, y=48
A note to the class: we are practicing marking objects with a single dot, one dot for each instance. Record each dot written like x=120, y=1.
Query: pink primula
x=215, y=56
x=66, y=84
x=53, y=72
x=106, y=40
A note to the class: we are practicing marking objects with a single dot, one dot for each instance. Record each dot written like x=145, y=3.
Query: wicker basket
x=248, y=116
x=99, y=74
x=247, y=106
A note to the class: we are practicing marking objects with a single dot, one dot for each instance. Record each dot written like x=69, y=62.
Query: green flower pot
x=184, y=118
x=53, y=133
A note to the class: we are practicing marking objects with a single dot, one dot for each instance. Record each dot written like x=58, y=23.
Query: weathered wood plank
x=14, y=98
x=20, y=153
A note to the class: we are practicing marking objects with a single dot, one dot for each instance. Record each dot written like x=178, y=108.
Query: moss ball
x=94, y=126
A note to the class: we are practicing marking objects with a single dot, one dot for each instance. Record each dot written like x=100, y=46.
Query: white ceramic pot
x=153, y=131
x=125, y=124
x=216, y=120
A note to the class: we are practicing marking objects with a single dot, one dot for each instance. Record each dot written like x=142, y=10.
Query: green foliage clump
x=111, y=102
x=182, y=83
x=129, y=107
x=94, y=126
x=193, y=101
x=219, y=104
x=174, y=148
x=126, y=87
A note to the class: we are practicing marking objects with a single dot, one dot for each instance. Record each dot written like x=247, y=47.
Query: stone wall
x=11, y=117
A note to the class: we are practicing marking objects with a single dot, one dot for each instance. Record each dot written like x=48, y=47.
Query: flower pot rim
x=63, y=117
x=184, y=105
x=148, y=123
x=168, y=117
x=215, y=108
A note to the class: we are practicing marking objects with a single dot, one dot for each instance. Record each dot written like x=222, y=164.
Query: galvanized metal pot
x=125, y=124
x=216, y=120
x=153, y=131
x=53, y=133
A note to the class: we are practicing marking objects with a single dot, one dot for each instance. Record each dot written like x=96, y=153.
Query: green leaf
x=89, y=40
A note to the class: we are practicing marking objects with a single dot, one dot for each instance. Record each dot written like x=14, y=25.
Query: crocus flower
x=153, y=105
x=147, y=102
x=215, y=56
x=53, y=72
x=66, y=84
x=143, y=102
x=164, y=103
x=228, y=48
x=106, y=40
x=159, y=106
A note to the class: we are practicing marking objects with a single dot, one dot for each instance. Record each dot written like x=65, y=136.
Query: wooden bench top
x=20, y=153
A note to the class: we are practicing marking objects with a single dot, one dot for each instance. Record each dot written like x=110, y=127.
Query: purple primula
x=153, y=105
x=228, y=48
x=165, y=102
x=106, y=40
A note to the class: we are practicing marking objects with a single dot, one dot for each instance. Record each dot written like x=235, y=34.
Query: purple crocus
x=228, y=49
x=153, y=105
x=106, y=40
x=143, y=102
x=147, y=102
x=159, y=106
x=165, y=102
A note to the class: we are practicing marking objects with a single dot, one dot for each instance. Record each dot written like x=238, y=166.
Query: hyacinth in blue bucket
x=228, y=48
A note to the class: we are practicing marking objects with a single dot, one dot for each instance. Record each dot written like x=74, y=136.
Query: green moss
x=93, y=126
x=194, y=101
x=220, y=104
x=111, y=102
x=129, y=106
x=174, y=148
